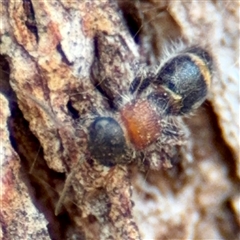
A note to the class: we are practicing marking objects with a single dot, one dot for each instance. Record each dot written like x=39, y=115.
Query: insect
x=177, y=87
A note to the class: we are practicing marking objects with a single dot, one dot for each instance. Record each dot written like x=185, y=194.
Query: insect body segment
x=141, y=122
x=186, y=79
x=106, y=141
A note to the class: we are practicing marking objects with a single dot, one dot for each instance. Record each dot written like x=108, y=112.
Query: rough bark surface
x=52, y=52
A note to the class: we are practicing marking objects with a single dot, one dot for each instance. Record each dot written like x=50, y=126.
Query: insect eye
x=106, y=141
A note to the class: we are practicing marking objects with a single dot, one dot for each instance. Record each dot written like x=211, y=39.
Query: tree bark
x=54, y=56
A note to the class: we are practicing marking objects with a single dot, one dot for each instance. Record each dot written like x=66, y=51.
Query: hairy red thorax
x=141, y=122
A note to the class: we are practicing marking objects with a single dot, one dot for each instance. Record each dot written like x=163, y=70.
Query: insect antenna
x=142, y=18
x=35, y=160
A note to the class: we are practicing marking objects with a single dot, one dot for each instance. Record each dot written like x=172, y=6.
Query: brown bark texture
x=64, y=63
